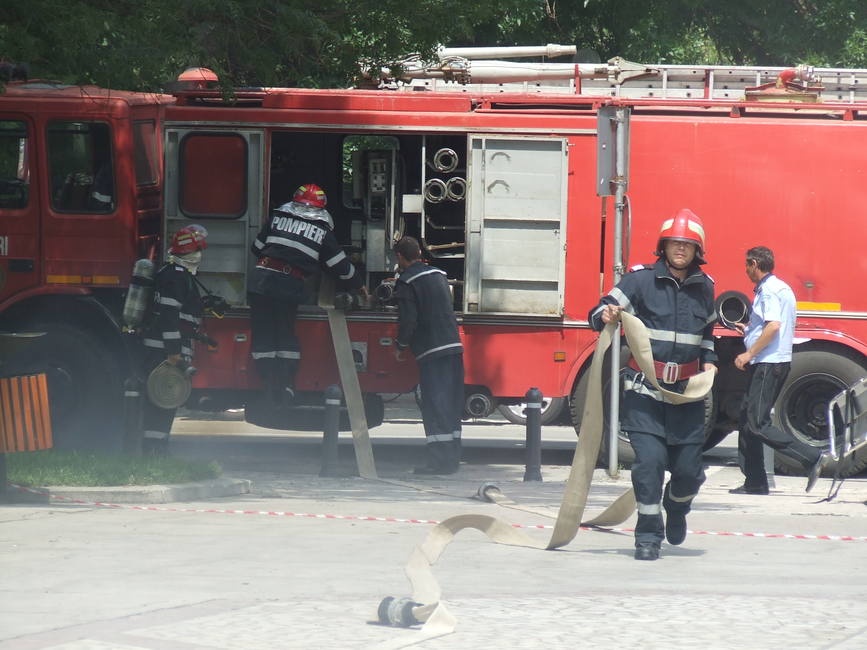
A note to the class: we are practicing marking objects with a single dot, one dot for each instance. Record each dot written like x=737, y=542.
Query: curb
x=218, y=487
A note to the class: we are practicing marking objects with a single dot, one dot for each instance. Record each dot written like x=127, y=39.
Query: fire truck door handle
x=20, y=266
x=491, y=186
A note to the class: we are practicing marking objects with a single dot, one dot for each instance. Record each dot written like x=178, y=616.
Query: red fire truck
x=498, y=167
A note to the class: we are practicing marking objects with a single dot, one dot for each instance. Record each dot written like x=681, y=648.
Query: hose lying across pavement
x=425, y=605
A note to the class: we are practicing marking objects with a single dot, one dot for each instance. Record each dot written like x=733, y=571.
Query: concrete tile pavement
x=203, y=574
x=302, y=561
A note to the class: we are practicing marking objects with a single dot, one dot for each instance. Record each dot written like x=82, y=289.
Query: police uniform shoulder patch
x=638, y=267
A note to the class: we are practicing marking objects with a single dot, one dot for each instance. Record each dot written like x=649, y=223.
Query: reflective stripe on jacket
x=679, y=316
x=305, y=244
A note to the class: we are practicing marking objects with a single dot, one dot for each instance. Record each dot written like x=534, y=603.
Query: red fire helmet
x=188, y=240
x=685, y=226
x=311, y=195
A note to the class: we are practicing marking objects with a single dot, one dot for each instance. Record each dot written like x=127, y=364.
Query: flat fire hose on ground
x=349, y=379
x=425, y=605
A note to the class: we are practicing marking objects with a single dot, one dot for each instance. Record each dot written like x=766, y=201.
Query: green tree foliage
x=142, y=44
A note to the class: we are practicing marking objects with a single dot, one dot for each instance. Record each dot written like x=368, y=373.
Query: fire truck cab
x=80, y=196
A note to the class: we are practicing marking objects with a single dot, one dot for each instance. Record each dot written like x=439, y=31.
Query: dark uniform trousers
x=442, y=405
x=156, y=422
x=652, y=457
x=765, y=384
x=275, y=349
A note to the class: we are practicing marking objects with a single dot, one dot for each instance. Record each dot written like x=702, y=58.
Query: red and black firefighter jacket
x=177, y=312
x=291, y=245
x=680, y=318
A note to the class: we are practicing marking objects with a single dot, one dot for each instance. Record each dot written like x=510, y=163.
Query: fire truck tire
x=84, y=386
x=552, y=408
x=625, y=454
x=816, y=376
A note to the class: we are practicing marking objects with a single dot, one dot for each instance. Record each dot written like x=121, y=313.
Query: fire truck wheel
x=625, y=454
x=802, y=408
x=83, y=386
x=552, y=408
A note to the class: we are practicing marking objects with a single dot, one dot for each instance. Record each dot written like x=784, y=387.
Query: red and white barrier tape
x=429, y=522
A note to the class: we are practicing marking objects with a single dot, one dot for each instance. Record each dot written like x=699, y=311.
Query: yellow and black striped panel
x=25, y=419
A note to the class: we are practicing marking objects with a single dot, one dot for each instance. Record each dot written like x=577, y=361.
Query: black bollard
x=533, y=412
x=333, y=397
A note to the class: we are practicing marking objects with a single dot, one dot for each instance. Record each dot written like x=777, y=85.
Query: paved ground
x=303, y=561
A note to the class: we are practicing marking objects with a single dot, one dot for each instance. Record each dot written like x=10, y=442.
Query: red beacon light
x=197, y=79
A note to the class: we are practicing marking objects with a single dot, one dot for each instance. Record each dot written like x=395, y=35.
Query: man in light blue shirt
x=768, y=357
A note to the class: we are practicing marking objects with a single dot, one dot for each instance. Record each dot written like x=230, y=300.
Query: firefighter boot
x=439, y=455
x=281, y=396
x=647, y=551
x=287, y=396
x=675, y=518
x=455, y=455
x=675, y=528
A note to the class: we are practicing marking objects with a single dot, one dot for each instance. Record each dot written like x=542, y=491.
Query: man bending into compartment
x=295, y=243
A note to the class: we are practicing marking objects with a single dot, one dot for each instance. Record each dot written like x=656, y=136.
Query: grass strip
x=54, y=467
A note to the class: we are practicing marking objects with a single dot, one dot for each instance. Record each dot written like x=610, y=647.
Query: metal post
x=333, y=398
x=533, y=411
x=2, y=475
x=620, y=181
x=768, y=460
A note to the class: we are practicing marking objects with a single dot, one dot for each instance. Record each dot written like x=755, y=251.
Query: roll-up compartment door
x=516, y=225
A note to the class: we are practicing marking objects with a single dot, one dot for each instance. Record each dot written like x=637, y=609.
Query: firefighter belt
x=280, y=266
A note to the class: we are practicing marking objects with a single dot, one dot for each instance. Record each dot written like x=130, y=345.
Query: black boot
x=675, y=517
x=647, y=551
x=439, y=459
x=675, y=528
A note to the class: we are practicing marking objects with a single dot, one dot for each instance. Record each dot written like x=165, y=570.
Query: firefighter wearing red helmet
x=174, y=321
x=296, y=242
x=675, y=301
x=685, y=227
x=311, y=195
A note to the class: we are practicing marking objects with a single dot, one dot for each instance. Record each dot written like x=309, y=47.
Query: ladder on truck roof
x=463, y=70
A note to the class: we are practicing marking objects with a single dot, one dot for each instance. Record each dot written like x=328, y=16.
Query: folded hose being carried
x=425, y=605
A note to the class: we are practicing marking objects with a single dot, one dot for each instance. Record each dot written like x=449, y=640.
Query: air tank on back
x=139, y=294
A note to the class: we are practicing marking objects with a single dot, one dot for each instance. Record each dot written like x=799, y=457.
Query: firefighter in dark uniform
x=675, y=301
x=427, y=325
x=168, y=334
x=296, y=242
